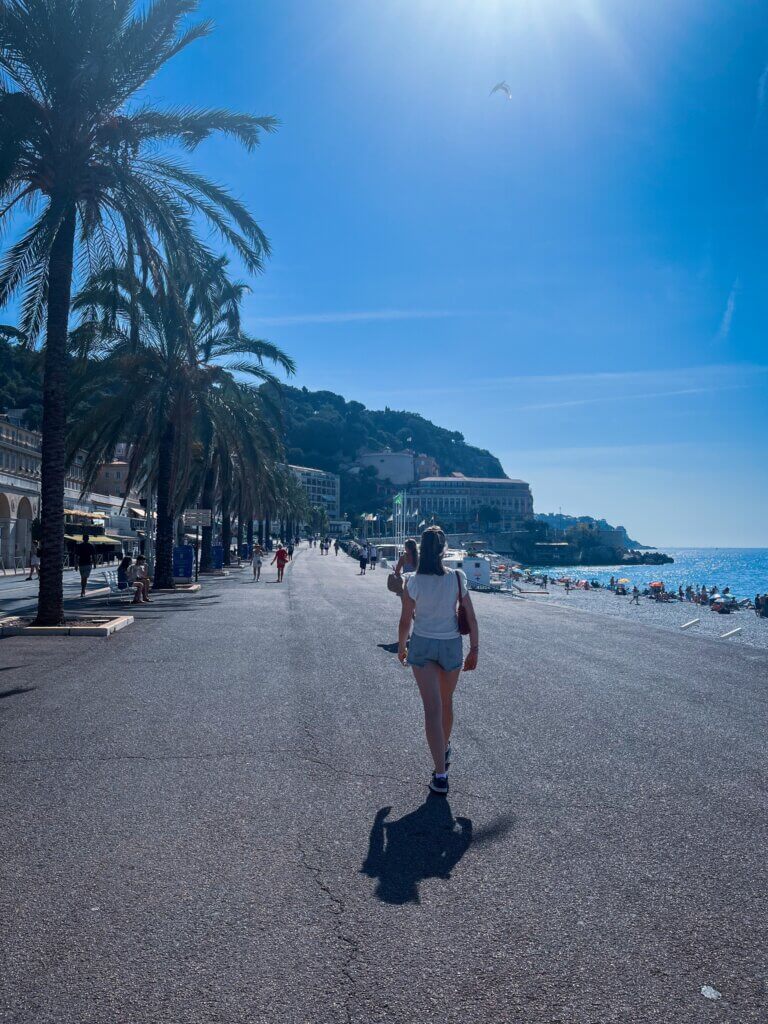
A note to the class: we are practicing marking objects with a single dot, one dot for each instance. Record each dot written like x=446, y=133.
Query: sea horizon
x=744, y=570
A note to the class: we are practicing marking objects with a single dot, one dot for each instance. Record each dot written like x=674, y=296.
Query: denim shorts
x=448, y=654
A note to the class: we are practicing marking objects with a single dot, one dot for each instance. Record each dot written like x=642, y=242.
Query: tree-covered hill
x=324, y=430
x=20, y=381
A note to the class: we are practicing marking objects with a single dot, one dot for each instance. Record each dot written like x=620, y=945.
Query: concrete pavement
x=220, y=814
x=19, y=596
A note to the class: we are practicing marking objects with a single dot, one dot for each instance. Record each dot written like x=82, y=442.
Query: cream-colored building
x=457, y=501
x=399, y=467
x=20, y=458
x=19, y=491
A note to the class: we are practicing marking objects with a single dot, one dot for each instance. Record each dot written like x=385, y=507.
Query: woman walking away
x=433, y=599
x=363, y=556
x=256, y=561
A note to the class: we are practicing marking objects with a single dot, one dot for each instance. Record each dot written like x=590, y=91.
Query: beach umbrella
x=658, y=583
x=624, y=580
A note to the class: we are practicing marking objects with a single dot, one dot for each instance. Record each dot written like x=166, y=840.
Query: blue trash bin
x=184, y=561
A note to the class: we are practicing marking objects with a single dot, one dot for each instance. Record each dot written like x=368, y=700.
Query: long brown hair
x=431, y=553
x=412, y=549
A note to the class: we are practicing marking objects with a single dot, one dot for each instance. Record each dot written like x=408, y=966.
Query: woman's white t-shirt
x=436, y=598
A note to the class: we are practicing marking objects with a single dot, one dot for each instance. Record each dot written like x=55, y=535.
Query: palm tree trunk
x=249, y=532
x=50, y=605
x=165, y=512
x=206, y=538
x=226, y=523
x=240, y=525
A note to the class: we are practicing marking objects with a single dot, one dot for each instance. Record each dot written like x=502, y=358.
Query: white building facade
x=323, y=489
x=456, y=501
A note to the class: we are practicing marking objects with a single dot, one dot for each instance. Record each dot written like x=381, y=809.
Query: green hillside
x=20, y=386
x=322, y=429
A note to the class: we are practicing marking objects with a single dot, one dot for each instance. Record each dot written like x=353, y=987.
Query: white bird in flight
x=501, y=87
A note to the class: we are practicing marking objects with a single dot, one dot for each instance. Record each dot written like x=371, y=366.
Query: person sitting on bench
x=138, y=574
x=124, y=582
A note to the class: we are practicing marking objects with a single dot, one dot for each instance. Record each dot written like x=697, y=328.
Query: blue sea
x=744, y=570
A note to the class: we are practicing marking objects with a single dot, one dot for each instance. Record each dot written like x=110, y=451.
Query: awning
x=76, y=538
x=84, y=515
x=139, y=512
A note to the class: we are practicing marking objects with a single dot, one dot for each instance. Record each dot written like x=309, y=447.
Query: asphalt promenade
x=220, y=814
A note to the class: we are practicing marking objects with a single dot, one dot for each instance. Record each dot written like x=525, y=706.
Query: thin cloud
x=647, y=396
x=724, y=329
x=579, y=452
x=688, y=375
x=762, y=90
x=356, y=317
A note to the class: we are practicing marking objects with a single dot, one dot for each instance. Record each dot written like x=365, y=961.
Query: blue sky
x=575, y=278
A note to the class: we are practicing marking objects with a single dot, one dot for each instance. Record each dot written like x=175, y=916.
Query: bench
x=110, y=578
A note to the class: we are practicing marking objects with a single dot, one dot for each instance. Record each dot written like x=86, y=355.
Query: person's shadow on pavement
x=427, y=843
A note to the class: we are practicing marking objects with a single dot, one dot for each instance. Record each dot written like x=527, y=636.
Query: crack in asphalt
x=336, y=908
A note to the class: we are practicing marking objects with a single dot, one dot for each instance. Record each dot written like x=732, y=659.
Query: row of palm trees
x=112, y=268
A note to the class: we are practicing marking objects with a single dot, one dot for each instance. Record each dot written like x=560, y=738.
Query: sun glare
x=505, y=24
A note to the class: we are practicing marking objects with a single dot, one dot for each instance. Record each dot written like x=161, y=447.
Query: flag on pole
x=398, y=499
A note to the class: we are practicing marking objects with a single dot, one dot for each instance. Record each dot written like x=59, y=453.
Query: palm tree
x=173, y=349
x=80, y=155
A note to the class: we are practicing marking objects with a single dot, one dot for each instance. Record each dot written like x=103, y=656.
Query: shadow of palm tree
x=427, y=843
x=16, y=691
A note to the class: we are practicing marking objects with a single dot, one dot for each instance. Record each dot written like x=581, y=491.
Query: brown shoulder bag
x=461, y=614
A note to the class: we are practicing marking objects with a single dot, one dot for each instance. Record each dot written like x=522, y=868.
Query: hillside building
x=456, y=501
x=323, y=489
x=400, y=468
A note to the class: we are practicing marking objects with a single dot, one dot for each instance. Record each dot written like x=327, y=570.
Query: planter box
x=93, y=627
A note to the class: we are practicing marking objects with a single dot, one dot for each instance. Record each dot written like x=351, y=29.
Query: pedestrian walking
x=635, y=596
x=436, y=601
x=86, y=560
x=409, y=560
x=257, y=559
x=34, y=562
x=281, y=557
x=290, y=550
x=373, y=555
x=363, y=556
x=336, y=547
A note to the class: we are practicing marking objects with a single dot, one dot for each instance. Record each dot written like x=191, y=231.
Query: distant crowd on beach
x=718, y=599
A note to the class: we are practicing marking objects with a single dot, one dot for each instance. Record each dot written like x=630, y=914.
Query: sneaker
x=448, y=757
x=439, y=785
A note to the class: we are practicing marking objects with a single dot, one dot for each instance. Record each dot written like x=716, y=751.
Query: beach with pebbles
x=664, y=615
